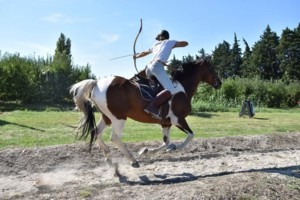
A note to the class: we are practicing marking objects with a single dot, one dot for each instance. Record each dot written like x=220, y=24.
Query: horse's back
x=114, y=96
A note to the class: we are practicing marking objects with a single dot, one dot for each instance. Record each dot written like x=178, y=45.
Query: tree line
x=270, y=58
x=40, y=80
x=268, y=73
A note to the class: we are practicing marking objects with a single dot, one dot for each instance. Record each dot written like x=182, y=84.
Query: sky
x=100, y=30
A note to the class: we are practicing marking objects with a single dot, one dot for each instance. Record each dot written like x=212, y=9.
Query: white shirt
x=162, y=49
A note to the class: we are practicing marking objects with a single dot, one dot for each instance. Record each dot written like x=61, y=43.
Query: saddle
x=149, y=87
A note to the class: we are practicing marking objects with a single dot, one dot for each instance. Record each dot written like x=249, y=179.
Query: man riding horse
x=161, y=51
x=119, y=98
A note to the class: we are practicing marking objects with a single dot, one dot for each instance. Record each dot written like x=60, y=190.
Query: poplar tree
x=247, y=69
x=61, y=69
x=236, y=59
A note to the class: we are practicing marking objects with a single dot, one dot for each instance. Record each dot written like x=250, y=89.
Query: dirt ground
x=254, y=167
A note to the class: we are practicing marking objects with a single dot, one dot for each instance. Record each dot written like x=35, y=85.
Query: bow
x=137, y=36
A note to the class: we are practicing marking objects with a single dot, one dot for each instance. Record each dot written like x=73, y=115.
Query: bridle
x=213, y=74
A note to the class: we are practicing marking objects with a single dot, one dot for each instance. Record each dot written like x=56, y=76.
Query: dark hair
x=163, y=35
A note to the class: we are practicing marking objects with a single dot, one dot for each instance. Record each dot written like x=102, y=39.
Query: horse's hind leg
x=100, y=127
x=166, y=142
x=117, y=129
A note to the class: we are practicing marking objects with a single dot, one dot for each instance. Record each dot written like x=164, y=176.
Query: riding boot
x=154, y=107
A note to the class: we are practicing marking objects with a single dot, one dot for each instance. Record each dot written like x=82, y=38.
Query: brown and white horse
x=118, y=98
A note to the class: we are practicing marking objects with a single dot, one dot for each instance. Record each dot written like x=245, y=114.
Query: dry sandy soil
x=255, y=167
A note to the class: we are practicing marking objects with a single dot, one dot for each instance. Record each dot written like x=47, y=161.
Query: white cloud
x=53, y=18
x=60, y=18
x=109, y=38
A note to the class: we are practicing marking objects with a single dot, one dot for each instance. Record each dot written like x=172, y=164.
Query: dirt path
x=256, y=167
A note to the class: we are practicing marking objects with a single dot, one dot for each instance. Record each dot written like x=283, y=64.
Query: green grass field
x=24, y=128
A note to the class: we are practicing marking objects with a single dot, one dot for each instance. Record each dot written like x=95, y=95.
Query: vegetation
x=263, y=93
x=271, y=58
x=36, y=80
x=268, y=74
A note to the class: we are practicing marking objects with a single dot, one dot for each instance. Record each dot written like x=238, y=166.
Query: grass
x=28, y=128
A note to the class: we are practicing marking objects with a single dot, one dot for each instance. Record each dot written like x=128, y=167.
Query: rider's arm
x=142, y=54
x=181, y=44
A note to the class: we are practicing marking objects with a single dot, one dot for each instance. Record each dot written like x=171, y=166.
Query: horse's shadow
x=167, y=179
x=203, y=114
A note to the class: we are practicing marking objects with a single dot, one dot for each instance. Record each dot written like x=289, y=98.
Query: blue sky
x=100, y=30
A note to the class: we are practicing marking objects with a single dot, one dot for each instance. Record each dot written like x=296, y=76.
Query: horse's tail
x=81, y=95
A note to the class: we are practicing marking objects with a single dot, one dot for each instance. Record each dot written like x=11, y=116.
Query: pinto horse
x=118, y=98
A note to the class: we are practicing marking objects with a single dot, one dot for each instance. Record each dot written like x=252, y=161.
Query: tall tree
x=62, y=60
x=289, y=53
x=236, y=58
x=264, y=55
x=62, y=69
x=247, y=68
x=222, y=59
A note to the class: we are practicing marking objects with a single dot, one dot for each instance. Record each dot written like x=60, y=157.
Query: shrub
x=272, y=94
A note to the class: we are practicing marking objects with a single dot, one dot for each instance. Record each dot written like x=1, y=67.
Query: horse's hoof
x=117, y=172
x=108, y=161
x=171, y=147
x=143, y=151
x=135, y=164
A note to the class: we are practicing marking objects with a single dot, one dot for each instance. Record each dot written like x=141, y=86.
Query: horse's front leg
x=166, y=142
x=182, y=125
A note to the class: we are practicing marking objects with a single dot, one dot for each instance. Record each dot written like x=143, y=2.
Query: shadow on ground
x=166, y=179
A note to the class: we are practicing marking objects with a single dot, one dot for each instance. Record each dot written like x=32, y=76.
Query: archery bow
x=134, y=52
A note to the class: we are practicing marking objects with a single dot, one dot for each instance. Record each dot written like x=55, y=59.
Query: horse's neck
x=190, y=86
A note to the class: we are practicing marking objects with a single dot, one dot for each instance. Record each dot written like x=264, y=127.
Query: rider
x=161, y=51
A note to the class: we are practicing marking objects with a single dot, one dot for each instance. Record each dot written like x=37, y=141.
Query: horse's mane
x=186, y=70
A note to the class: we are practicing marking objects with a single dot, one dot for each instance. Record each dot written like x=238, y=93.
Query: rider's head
x=163, y=35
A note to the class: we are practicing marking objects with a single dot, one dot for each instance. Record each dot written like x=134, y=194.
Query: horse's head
x=209, y=74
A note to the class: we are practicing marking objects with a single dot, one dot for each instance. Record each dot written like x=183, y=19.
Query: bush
x=272, y=94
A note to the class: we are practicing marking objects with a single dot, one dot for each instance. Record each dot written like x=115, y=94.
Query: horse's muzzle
x=217, y=84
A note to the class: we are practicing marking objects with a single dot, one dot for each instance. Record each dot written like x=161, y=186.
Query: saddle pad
x=149, y=88
x=147, y=92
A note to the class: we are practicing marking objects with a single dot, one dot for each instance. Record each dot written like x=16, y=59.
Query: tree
x=31, y=79
x=187, y=59
x=264, y=55
x=289, y=53
x=222, y=59
x=236, y=59
x=202, y=54
x=61, y=69
x=174, y=64
x=18, y=77
x=80, y=73
x=247, y=68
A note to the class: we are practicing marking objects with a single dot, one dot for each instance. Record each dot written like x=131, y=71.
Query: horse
x=118, y=98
